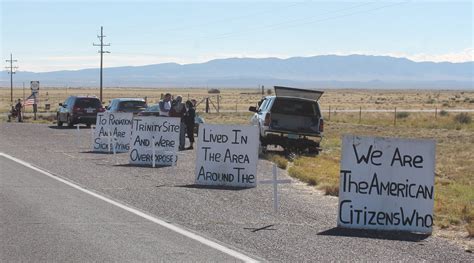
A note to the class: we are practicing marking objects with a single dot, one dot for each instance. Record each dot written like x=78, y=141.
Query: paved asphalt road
x=43, y=219
x=304, y=230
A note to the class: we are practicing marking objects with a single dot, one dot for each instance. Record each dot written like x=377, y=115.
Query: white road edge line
x=160, y=222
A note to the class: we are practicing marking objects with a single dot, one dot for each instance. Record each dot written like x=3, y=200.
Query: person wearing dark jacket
x=178, y=109
x=18, y=108
x=189, y=121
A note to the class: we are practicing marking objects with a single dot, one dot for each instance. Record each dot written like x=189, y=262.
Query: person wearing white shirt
x=165, y=105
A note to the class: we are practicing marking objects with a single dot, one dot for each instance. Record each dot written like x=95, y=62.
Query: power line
x=309, y=20
x=101, y=51
x=298, y=21
x=234, y=18
x=173, y=29
x=11, y=70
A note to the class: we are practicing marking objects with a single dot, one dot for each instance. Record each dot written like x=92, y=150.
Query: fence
x=227, y=101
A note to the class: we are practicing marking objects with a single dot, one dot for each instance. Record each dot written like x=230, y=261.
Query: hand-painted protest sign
x=227, y=155
x=387, y=184
x=164, y=132
x=112, y=130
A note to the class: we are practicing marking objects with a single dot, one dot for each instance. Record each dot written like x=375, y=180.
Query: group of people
x=186, y=111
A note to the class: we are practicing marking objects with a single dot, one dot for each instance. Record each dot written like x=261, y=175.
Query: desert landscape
x=445, y=116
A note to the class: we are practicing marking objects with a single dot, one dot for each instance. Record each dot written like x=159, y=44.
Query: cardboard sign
x=227, y=155
x=164, y=132
x=112, y=130
x=387, y=184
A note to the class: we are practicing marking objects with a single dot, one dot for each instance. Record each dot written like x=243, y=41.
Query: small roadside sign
x=34, y=85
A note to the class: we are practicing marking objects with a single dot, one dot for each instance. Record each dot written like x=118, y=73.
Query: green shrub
x=280, y=161
x=443, y=113
x=214, y=91
x=463, y=118
x=402, y=115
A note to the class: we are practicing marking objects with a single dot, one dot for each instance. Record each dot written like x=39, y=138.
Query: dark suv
x=79, y=109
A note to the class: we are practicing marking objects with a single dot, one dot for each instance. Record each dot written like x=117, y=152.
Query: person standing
x=189, y=121
x=165, y=105
x=178, y=110
x=18, y=108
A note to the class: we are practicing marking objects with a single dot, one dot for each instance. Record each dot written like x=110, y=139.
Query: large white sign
x=164, y=132
x=112, y=130
x=227, y=155
x=387, y=184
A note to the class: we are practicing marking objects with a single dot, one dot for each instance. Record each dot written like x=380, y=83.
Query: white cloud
x=465, y=55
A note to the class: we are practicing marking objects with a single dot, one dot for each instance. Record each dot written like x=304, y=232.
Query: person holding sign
x=189, y=121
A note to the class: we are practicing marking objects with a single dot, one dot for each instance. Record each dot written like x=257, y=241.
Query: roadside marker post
x=114, y=144
x=77, y=137
x=115, y=149
x=109, y=135
x=275, y=183
x=174, y=166
x=92, y=133
x=153, y=151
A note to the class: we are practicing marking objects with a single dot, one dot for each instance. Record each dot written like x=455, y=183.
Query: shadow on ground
x=65, y=127
x=212, y=187
x=106, y=153
x=141, y=166
x=377, y=234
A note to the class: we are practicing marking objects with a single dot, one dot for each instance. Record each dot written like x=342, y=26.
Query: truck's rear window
x=295, y=107
x=88, y=102
x=132, y=105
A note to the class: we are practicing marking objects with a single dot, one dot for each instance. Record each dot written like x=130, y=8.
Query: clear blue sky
x=58, y=35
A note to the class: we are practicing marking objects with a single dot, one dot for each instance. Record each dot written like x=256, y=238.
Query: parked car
x=79, y=109
x=291, y=119
x=154, y=110
x=133, y=105
x=151, y=110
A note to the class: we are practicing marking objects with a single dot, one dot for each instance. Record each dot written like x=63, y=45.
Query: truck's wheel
x=69, y=121
x=60, y=123
x=262, y=150
x=291, y=155
x=313, y=151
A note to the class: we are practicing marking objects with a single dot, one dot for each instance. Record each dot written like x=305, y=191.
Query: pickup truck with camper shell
x=291, y=119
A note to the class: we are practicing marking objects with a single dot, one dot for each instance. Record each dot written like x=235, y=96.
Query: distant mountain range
x=330, y=71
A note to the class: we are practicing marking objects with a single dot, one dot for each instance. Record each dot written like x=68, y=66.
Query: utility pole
x=101, y=51
x=11, y=71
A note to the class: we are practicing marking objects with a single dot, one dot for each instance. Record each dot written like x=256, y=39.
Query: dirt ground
x=240, y=99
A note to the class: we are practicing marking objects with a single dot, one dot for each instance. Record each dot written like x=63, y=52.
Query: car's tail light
x=268, y=119
x=101, y=109
x=321, y=125
x=76, y=109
